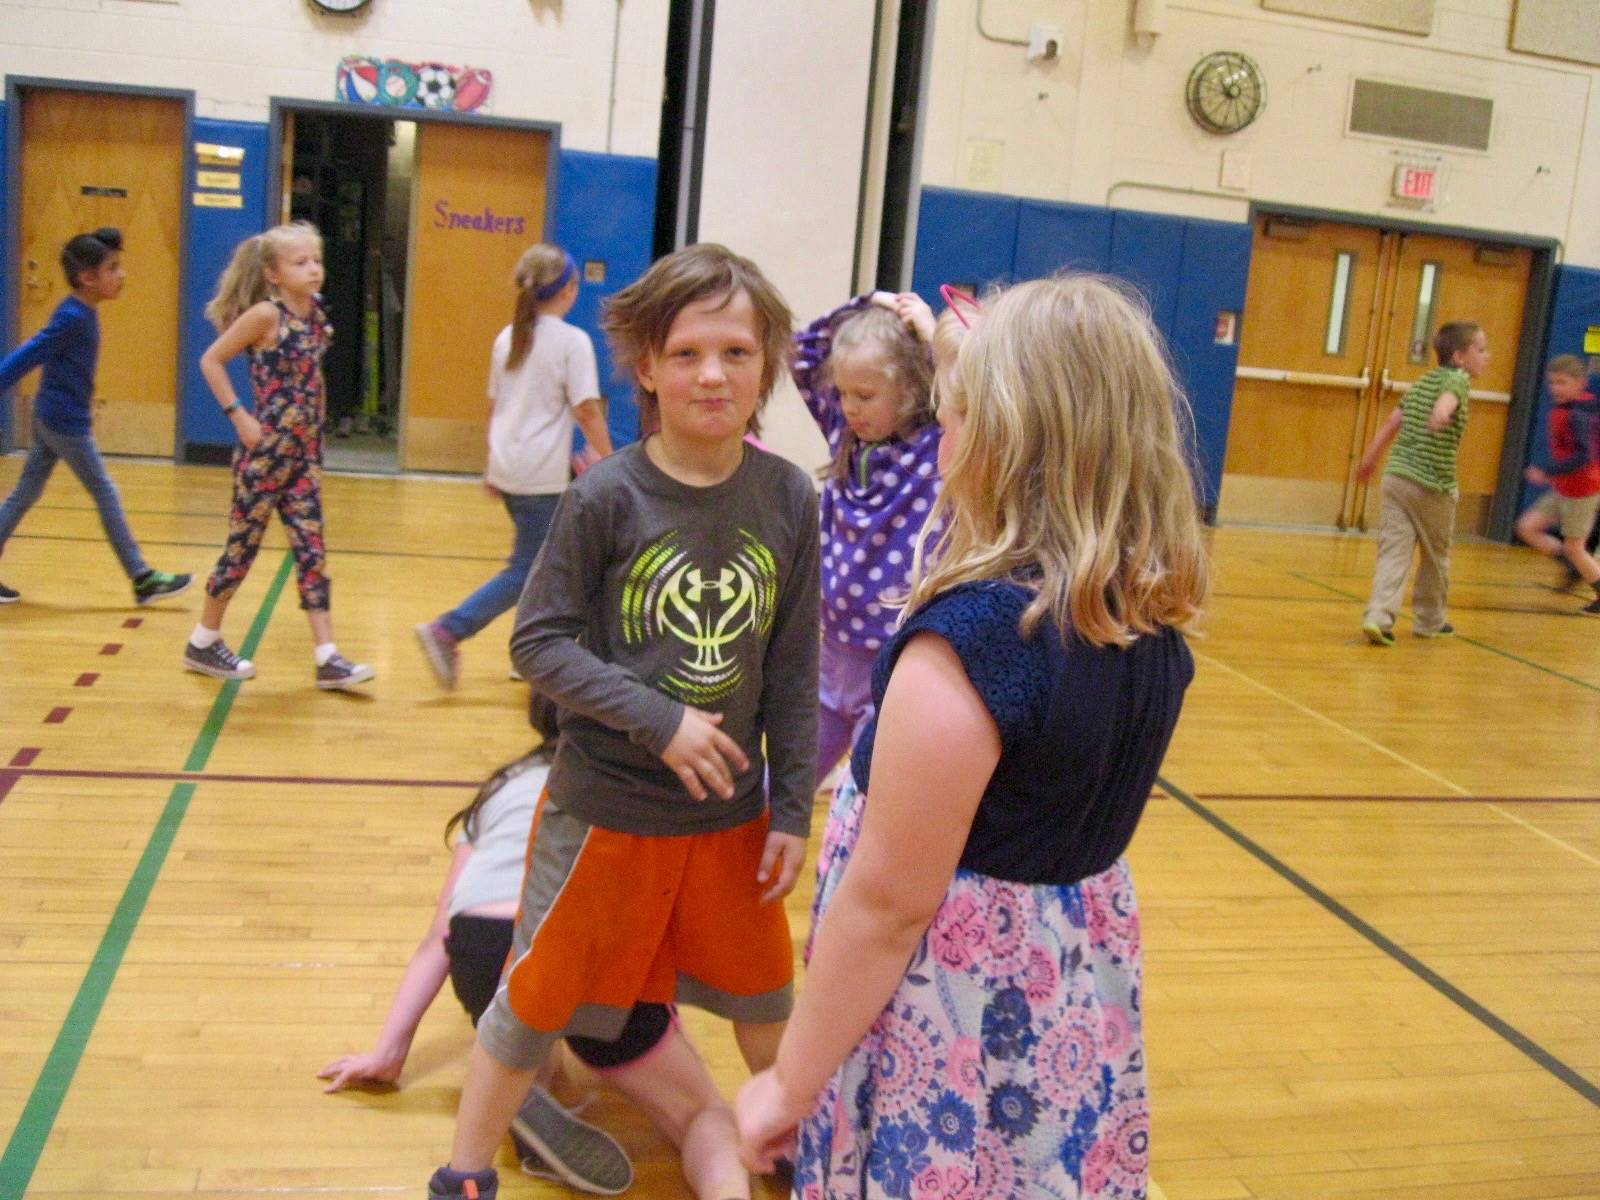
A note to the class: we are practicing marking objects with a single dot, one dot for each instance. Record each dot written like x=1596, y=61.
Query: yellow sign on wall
x=218, y=200
x=226, y=180
x=1591, y=340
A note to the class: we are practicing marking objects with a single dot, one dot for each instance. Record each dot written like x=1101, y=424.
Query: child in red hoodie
x=1572, y=474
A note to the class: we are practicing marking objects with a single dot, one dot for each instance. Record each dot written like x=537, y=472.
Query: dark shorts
x=478, y=947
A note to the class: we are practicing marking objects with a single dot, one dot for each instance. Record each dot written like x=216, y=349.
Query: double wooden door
x=1339, y=322
x=91, y=159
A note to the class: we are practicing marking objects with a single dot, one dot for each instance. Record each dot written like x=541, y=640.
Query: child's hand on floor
x=701, y=755
x=781, y=861
x=375, y=1066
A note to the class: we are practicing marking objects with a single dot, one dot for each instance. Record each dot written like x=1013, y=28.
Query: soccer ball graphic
x=436, y=85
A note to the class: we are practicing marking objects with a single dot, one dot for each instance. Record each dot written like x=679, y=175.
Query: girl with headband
x=542, y=381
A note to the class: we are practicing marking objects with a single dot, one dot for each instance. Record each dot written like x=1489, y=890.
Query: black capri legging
x=478, y=947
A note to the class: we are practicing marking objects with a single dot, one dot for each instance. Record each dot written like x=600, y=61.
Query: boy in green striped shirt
x=1419, y=485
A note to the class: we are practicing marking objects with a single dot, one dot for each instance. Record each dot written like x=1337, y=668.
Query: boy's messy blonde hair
x=876, y=335
x=637, y=319
x=244, y=280
x=1070, y=474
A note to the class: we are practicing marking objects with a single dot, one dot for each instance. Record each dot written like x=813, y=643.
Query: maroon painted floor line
x=110, y=647
x=24, y=757
x=133, y=622
x=208, y=777
x=57, y=716
x=87, y=679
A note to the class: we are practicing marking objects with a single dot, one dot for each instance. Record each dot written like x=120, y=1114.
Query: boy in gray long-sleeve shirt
x=672, y=617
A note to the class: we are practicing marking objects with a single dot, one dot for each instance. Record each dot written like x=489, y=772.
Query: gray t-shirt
x=650, y=595
x=493, y=875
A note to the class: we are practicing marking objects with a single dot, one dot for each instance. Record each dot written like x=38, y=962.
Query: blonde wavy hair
x=878, y=337
x=1070, y=474
x=244, y=280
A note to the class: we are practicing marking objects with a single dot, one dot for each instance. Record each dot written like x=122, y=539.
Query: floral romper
x=284, y=471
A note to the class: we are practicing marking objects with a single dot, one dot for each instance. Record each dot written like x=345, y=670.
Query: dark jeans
x=80, y=454
x=531, y=515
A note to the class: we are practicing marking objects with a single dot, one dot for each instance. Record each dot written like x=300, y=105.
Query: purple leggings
x=844, y=690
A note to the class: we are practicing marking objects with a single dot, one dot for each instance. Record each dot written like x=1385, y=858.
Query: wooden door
x=1303, y=374
x=91, y=159
x=1437, y=280
x=1338, y=323
x=478, y=202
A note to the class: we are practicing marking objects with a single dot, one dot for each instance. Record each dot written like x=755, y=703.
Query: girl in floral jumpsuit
x=267, y=307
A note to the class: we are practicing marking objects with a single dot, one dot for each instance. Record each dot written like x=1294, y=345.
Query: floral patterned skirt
x=1010, y=1060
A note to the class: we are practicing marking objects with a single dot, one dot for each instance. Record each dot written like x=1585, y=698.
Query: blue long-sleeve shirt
x=67, y=348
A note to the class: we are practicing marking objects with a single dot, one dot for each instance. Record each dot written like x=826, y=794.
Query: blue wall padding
x=605, y=211
x=10, y=259
x=213, y=234
x=1147, y=250
x=1052, y=236
x=1212, y=278
x=1574, y=307
x=1189, y=269
x=963, y=237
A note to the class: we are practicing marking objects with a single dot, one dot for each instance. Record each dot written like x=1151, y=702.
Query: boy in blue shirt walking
x=67, y=349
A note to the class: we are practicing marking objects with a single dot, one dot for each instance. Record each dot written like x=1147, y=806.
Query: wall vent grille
x=1413, y=114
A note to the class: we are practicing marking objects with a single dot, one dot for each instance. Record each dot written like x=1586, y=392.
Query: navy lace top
x=1083, y=730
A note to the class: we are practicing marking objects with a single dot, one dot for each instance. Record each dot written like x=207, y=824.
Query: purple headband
x=561, y=281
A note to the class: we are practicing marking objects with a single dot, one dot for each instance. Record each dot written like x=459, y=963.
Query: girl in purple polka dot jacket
x=866, y=373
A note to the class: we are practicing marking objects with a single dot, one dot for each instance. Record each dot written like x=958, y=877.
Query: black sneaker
x=463, y=1185
x=340, y=674
x=575, y=1152
x=1568, y=579
x=217, y=661
x=1377, y=634
x=9, y=595
x=1591, y=609
x=158, y=585
x=1445, y=630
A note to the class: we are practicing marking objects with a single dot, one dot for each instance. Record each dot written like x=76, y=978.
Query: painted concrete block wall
x=1107, y=124
x=552, y=61
x=785, y=133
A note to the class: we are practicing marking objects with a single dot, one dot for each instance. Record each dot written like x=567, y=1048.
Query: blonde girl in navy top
x=970, y=1021
x=268, y=307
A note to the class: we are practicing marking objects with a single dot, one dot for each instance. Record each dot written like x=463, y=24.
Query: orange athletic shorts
x=609, y=919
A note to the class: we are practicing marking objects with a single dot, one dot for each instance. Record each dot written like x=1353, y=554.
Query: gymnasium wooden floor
x=1371, y=884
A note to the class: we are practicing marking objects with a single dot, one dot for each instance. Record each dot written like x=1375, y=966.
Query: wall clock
x=1225, y=92
x=342, y=7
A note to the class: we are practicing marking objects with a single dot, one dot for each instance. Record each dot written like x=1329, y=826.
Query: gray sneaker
x=340, y=674
x=583, y=1157
x=217, y=661
x=439, y=648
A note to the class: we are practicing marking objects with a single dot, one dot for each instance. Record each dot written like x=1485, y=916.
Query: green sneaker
x=1445, y=630
x=1377, y=634
x=158, y=585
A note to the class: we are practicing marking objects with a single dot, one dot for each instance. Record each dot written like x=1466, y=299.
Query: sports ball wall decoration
x=396, y=84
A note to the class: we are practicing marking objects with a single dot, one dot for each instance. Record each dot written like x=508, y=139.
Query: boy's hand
x=700, y=754
x=493, y=492
x=1536, y=477
x=248, y=428
x=781, y=860
x=1365, y=468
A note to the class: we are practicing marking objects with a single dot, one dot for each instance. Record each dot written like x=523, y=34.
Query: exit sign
x=1413, y=182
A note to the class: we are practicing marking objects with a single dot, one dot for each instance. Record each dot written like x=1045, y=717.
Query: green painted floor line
x=38, y=1118
x=1461, y=637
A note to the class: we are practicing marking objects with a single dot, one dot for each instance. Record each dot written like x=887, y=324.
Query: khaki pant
x=1412, y=516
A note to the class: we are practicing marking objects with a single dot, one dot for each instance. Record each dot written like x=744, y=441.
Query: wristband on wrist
x=229, y=409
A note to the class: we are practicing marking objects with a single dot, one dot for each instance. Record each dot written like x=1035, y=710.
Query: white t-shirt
x=493, y=875
x=530, y=430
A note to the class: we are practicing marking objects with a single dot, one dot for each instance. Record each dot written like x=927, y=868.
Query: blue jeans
x=531, y=515
x=81, y=454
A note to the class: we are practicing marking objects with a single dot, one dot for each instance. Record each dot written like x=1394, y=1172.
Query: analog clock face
x=341, y=6
x=1225, y=92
